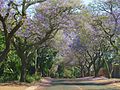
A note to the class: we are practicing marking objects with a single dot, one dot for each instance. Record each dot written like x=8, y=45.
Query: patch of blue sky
x=31, y=9
x=86, y=2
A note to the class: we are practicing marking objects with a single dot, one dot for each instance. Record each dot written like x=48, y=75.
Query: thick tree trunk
x=4, y=53
x=23, y=70
x=23, y=56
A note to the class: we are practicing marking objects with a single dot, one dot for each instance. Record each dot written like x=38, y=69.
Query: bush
x=32, y=78
x=68, y=73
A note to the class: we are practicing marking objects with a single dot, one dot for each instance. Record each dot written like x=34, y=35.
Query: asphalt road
x=68, y=84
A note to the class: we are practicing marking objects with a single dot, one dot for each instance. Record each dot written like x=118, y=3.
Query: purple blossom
x=1, y=4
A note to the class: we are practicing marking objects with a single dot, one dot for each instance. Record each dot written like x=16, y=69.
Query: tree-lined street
x=73, y=42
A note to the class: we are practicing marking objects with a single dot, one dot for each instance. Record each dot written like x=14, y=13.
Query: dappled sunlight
x=59, y=44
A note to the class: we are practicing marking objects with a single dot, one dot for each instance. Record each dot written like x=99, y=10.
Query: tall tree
x=10, y=12
x=47, y=21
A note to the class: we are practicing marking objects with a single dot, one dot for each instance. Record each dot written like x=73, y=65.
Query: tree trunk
x=95, y=71
x=82, y=71
x=23, y=70
x=108, y=69
x=4, y=53
x=88, y=73
x=24, y=59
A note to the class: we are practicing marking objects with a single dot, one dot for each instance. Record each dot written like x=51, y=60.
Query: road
x=76, y=84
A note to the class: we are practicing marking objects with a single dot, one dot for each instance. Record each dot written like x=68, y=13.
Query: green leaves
x=2, y=45
x=46, y=58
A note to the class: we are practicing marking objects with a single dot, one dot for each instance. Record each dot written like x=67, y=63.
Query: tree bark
x=23, y=70
x=4, y=53
x=95, y=70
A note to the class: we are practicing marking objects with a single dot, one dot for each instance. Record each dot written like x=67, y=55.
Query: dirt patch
x=13, y=87
x=115, y=84
x=108, y=81
x=15, y=83
x=26, y=86
x=45, y=82
x=32, y=88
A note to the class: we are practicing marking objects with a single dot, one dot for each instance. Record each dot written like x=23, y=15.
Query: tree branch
x=33, y=2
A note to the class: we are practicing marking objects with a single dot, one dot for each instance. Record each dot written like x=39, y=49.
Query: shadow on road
x=80, y=82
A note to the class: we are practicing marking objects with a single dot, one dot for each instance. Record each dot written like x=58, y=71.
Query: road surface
x=77, y=84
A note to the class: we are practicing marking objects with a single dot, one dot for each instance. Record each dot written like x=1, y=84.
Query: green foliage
x=76, y=71
x=60, y=70
x=2, y=45
x=10, y=69
x=68, y=73
x=72, y=72
x=31, y=78
x=46, y=59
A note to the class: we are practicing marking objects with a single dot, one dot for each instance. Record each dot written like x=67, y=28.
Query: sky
x=31, y=11
x=87, y=1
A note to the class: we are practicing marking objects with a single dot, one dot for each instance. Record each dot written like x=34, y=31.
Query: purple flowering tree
x=12, y=17
x=108, y=20
x=50, y=17
x=86, y=45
